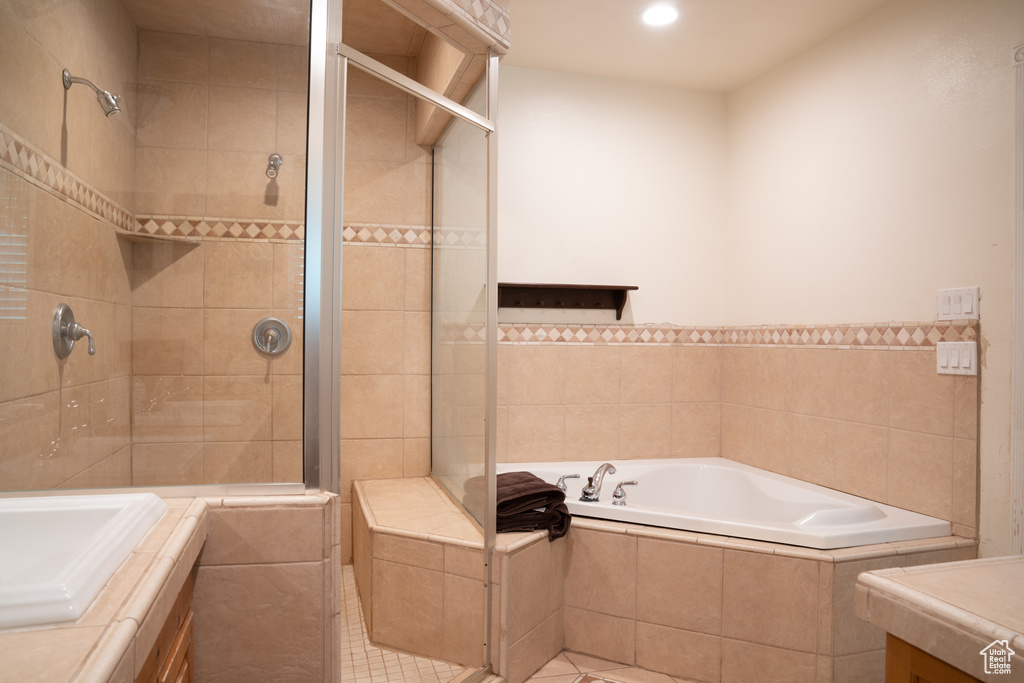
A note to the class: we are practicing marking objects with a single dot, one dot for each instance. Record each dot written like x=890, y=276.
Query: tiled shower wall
x=206, y=406
x=385, y=325
x=877, y=422
x=64, y=423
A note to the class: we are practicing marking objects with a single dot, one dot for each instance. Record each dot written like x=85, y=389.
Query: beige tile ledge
x=731, y=543
x=950, y=610
x=110, y=641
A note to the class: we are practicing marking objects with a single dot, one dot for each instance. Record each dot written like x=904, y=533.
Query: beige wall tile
x=293, y=68
x=291, y=123
x=696, y=374
x=287, y=461
x=289, y=269
x=373, y=342
x=862, y=385
x=237, y=462
x=852, y=634
x=536, y=648
x=739, y=429
x=591, y=432
x=373, y=278
x=868, y=666
x=772, y=441
x=167, y=409
x=812, y=450
x=597, y=562
x=167, y=275
x=537, y=375
x=646, y=375
x=771, y=600
x=227, y=347
x=287, y=407
x=406, y=603
x=417, y=406
x=74, y=448
x=920, y=475
x=826, y=608
x=920, y=400
x=645, y=431
x=370, y=459
x=417, y=343
x=242, y=119
x=965, y=482
x=739, y=365
x=678, y=653
x=505, y=377
x=417, y=279
x=372, y=406
x=110, y=415
x=600, y=635
x=174, y=57
x=591, y=374
x=862, y=454
x=388, y=192
x=237, y=408
x=170, y=181
x=679, y=585
x=263, y=535
x=696, y=430
x=965, y=412
x=535, y=434
x=743, y=662
x=813, y=376
x=32, y=111
x=463, y=620
x=529, y=589
x=30, y=367
x=172, y=114
x=416, y=457
x=235, y=275
x=375, y=129
x=234, y=604
x=113, y=471
x=243, y=63
x=237, y=185
x=411, y=551
x=167, y=341
x=167, y=464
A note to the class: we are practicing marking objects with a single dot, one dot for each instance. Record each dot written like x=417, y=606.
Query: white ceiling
x=716, y=45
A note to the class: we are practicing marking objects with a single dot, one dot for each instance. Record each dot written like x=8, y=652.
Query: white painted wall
x=875, y=169
x=846, y=186
x=605, y=181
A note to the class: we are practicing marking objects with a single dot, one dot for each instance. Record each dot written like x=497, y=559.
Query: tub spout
x=592, y=491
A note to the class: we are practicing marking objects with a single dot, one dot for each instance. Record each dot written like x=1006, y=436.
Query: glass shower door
x=459, y=322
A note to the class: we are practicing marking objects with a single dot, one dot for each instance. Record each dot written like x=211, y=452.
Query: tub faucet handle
x=592, y=491
x=619, y=494
x=561, y=481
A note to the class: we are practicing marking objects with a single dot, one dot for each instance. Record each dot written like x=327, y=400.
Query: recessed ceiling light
x=659, y=15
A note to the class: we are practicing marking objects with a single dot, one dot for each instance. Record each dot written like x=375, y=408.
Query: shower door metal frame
x=332, y=212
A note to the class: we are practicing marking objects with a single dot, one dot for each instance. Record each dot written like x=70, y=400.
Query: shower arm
x=69, y=80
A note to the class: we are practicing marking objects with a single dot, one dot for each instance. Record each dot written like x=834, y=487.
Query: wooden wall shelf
x=605, y=297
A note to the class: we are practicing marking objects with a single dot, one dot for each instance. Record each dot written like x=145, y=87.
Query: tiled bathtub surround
x=876, y=422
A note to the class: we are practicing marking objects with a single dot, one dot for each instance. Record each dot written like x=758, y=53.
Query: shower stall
x=263, y=265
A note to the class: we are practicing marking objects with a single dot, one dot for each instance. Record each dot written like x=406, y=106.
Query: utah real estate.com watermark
x=997, y=657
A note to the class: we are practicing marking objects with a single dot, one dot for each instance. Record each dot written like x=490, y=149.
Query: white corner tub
x=57, y=552
x=719, y=496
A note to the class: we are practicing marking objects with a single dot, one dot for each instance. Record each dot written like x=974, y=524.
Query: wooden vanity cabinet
x=170, y=660
x=905, y=663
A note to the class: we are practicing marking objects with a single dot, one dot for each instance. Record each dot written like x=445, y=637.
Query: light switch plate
x=958, y=304
x=956, y=358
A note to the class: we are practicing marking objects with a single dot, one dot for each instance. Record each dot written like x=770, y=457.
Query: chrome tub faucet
x=592, y=491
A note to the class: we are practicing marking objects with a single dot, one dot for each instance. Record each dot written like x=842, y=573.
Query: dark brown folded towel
x=519, y=492
x=555, y=518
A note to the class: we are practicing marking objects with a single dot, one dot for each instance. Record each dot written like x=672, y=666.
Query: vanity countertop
x=113, y=637
x=952, y=611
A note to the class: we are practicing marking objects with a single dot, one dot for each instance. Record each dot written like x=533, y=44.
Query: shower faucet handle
x=76, y=332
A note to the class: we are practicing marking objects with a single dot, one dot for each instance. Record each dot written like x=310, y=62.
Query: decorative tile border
x=387, y=235
x=222, y=228
x=906, y=335
x=34, y=166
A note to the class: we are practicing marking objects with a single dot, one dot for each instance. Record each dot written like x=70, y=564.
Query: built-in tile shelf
x=146, y=237
x=606, y=297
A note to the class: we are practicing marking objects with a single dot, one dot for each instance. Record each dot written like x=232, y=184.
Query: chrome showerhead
x=109, y=103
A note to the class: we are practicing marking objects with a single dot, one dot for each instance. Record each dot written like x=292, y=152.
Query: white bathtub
x=57, y=552
x=719, y=496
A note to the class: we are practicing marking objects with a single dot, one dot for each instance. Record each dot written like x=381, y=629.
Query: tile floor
x=361, y=662
x=569, y=667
